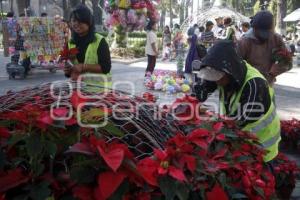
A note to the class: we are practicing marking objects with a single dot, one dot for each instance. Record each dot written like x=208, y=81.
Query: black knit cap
x=263, y=20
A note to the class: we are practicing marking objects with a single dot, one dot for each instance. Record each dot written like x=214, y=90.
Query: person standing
x=167, y=38
x=93, y=57
x=218, y=29
x=207, y=37
x=258, y=45
x=192, y=54
x=178, y=41
x=245, y=28
x=229, y=30
x=151, y=47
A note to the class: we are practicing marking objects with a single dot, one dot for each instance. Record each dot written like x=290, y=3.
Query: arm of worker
x=255, y=101
x=104, y=61
x=204, y=89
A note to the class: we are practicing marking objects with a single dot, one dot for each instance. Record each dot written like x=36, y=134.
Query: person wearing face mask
x=93, y=60
x=258, y=44
x=245, y=95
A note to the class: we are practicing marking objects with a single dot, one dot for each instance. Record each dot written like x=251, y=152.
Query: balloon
x=153, y=78
x=171, y=89
x=185, y=88
x=171, y=81
x=158, y=86
x=165, y=87
x=178, y=87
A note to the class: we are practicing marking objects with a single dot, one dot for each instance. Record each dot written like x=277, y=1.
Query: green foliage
x=138, y=52
x=273, y=7
x=256, y=7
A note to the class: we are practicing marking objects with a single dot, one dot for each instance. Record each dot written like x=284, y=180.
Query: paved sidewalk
x=287, y=88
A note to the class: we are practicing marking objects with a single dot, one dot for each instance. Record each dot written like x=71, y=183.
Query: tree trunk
x=22, y=5
x=171, y=14
x=65, y=9
x=281, y=13
x=74, y=3
x=188, y=2
x=97, y=12
x=181, y=12
x=162, y=18
x=101, y=12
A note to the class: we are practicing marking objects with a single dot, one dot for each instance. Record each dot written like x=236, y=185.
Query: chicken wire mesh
x=143, y=124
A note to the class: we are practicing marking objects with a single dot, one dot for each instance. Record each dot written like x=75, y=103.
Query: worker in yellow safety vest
x=93, y=61
x=245, y=95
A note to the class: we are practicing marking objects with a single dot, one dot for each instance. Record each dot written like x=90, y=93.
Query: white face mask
x=210, y=74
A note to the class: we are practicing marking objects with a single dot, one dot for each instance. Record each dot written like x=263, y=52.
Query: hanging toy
x=124, y=4
x=131, y=17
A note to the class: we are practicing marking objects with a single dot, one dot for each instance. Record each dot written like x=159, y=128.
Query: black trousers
x=151, y=63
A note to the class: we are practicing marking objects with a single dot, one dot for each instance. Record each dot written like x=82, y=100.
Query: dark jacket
x=259, y=55
x=223, y=57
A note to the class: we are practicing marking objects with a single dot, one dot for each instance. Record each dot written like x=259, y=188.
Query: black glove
x=204, y=89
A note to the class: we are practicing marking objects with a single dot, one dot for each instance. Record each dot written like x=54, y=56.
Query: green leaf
x=229, y=133
x=239, y=196
x=15, y=138
x=259, y=191
x=206, y=126
x=113, y=130
x=83, y=175
x=21, y=197
x=2, y=159
x=222, y=179
x=50, y=198
x=40, y=191
x=50, y=148
x=34, y=146
x=6, y=123
x=37, y=168
x=182, y=191
x=67, y=197
x=119, y=193
x=243, y=158
x=168, y=187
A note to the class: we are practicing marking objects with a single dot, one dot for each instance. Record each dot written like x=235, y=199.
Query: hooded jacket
x=223, y=57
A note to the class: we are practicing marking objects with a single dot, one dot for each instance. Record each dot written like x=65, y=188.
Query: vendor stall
x=37, y=40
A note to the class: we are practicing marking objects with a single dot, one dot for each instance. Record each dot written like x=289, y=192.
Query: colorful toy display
x=43, y=38
x=167, y=81
x=130, y=14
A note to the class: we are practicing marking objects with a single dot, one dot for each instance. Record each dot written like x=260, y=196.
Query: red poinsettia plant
x=68, y=53
x=290, y=134
x=42, y=157
x=282, y=56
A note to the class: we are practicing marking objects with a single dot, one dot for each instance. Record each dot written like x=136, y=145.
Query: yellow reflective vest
x=267, y=128
x=94, y=80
